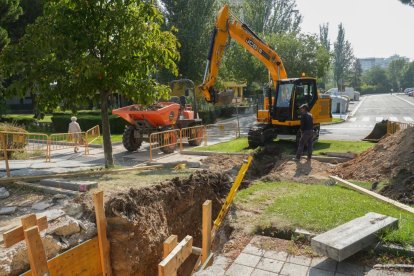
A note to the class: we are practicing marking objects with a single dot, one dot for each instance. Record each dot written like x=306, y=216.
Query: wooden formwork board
x=83, y=259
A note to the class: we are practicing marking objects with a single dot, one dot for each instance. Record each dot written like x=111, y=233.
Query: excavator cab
x=290, y=95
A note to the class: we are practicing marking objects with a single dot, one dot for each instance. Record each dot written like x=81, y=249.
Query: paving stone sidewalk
x=254, y=261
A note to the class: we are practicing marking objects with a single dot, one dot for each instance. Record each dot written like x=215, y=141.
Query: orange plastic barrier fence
x=166, y=141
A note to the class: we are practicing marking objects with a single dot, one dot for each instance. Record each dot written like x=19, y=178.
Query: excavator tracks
x=259, y=135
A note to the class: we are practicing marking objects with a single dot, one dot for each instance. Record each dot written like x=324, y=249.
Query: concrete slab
x=259, y=272
x=247, y=260
x=300, y=260
x=238, y=269
x=7, y=210
x=319, y=272
x=73, y=185
x=270, y=265
x=280, y=256
x=324, y=264
x=253, y=250
x=353, y=236
x=294, y=270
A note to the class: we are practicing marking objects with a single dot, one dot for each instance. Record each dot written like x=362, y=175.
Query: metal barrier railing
x=25, y=145
x=393, y=127
x=194, y=135
x=166, y=141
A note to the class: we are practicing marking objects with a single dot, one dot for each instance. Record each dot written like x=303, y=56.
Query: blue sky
x=375, y=28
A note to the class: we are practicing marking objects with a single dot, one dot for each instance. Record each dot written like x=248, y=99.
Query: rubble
x=4, y=193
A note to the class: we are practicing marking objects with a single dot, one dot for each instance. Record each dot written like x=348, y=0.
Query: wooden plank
x=169, y=245
x=353, y=236
x=72, y=174
x=101, y=225
x=375, y=195
x=36, y=251
x=175, y=259
x=206, y=231
x=28, y=221
x=16, y=234
x=83, y=259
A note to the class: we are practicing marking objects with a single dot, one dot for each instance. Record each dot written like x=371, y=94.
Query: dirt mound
x=401, y=190
x=223, y=162
x=390, y=158
x=140, y=220
x=305, y=172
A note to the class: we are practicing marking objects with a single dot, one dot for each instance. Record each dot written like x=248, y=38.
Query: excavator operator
x=306, y=128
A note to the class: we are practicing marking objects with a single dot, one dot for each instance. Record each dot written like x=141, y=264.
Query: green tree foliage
x=376, y=79
x=356, y=75
x=324, y=36
x=267, y=18
x=10, y=10
x=272, y=16
x=343, y=58
x=194, y=21
x=79, y=50
x=395, y=72
x=31, y=10
x=408, y=2
x=408, y=76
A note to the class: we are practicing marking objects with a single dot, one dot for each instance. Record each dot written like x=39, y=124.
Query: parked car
x=408, y=90
x=411, y=93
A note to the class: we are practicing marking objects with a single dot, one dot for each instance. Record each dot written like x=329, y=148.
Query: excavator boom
x=229, y=26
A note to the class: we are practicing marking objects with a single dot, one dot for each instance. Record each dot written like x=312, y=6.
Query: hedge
x=21, y=121
x=61, y=122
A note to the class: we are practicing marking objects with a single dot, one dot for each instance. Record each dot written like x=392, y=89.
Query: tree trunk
x=106, y=132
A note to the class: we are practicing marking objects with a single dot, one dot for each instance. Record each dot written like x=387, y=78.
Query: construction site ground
x=277, y=197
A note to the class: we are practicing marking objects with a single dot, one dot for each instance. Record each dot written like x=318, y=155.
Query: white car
x=408, y=90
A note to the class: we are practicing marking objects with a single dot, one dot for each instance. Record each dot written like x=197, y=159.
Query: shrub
x=86, y=121
x=21, y=121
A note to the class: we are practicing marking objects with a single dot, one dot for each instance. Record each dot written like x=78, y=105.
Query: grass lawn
x=114, y=138
x=334, y=121
x=289, y=147
x=318, y=208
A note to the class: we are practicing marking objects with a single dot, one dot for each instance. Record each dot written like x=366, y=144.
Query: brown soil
x=140, y=220
x=270, y=165
x=303, y=171
x=391, y=160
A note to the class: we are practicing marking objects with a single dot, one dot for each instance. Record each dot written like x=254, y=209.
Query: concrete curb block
x=46, y=189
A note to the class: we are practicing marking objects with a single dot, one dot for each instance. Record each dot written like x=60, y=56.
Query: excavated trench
x=140, y=220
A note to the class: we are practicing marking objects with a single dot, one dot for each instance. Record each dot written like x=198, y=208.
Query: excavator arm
x=228, y=25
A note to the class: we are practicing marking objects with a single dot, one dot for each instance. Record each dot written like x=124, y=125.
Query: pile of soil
x=140, y=220
x=391, y=160
x=269, y=164
x=386, y=160
x=303, y=171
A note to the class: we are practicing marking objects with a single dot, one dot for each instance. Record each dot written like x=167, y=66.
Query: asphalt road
x=373, y=109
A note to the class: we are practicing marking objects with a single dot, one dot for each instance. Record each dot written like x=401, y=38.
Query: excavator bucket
x=225, y=97
x=379, y=131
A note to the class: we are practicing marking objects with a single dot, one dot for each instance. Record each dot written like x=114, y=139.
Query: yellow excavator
x=283, y=96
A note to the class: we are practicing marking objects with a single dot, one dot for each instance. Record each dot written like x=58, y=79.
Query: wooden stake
x=375, y=195
x=169, y=245
x=36, y=252
x=175, y=259
x=103, y=240
x=16, y=234
x=206, y=239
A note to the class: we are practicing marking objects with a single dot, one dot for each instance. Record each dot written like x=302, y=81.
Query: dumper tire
x=169, y=137
x=129, y=141
x=196, y=136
